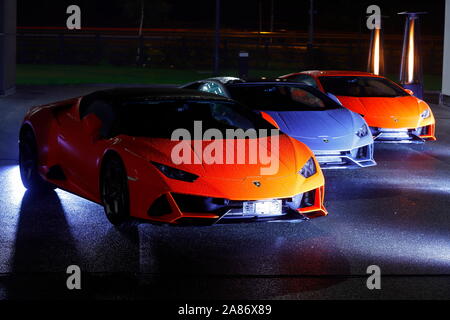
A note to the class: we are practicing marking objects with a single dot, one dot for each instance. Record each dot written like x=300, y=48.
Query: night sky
x=332, y=16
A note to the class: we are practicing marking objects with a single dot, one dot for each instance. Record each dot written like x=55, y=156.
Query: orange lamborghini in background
x=122, y=149
x=393, y=113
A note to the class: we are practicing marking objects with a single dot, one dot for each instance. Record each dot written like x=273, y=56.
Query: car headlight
x=309, y=169
x=426, y=114
x=174, y=173
x=363, y=131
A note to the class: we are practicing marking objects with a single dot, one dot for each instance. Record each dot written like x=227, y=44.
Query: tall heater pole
x=376, y=52
x=411, y=73
x=217, y=39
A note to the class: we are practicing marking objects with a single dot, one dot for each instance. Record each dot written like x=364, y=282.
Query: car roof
x=318, y=73
x=269, y=82
x=117, y=96
x=148, y=93
x=232, y=80
x=225, y=80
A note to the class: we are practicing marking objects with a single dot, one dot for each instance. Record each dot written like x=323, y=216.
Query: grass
x=83, y=74
x=431, y=82
x=74, y=74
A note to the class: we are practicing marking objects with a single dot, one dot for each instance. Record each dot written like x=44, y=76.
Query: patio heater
x=376, y=52
x=411, y=73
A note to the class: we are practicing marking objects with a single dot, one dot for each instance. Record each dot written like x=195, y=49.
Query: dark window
x=361, y=87
x=303, y=78
x=279, y=97
x=212, y=87
x=158, y=119
x=104, y=111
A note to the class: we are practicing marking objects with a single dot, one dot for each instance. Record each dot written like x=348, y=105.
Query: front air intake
x=160, y=207
x=308, y=199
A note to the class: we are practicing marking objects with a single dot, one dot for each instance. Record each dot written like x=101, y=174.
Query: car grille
x=403, y=134
x=358, y=157
x=220, y=206
x=398, y=135
x=330, y=157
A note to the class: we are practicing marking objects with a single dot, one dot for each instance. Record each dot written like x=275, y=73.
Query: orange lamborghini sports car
x=393, y=113
x=169, y=156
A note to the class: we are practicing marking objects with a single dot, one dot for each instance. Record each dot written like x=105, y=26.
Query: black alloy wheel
x=114, y=190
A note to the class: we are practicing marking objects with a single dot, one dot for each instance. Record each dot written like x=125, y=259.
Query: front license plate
x=273, y=207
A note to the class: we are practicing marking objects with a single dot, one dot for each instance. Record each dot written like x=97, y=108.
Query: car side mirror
x=332, y=96
x=269, y=119
x=409, y=91
x=92, y=125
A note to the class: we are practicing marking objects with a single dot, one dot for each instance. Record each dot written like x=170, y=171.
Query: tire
x=114, y=190
x=29, y=163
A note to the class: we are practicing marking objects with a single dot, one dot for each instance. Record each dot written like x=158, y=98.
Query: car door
x=81, y=146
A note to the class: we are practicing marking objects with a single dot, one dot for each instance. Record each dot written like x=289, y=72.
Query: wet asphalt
x=395, y=215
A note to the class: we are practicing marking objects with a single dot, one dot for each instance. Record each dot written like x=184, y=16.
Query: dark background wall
x=7, y=46
x=341, y=39
x=192, y=49
x=332, y=15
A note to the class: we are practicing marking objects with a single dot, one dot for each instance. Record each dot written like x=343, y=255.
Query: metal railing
x=186, y=48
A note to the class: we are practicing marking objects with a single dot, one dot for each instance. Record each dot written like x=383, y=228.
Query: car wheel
x=29, y=162
x=114, y=191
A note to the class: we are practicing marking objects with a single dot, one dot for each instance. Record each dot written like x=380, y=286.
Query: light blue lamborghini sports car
x=338, y=137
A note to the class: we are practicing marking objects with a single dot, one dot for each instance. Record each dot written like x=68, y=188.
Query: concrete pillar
x=7, y=46
x=446, y=71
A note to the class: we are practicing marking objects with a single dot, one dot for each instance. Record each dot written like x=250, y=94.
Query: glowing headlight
x=363, y=131
x=426, y=114
x=309, y=169
x=174, y=173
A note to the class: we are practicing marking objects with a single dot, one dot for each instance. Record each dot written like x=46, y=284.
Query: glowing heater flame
x=411, y=52
x=376, y=52
x=411, y=74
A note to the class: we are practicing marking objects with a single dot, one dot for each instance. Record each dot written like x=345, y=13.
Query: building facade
x=7, y=46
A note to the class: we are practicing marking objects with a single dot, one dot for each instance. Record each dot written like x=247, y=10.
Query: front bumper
x=357, y=158
x=198, y=210
x=404, y=135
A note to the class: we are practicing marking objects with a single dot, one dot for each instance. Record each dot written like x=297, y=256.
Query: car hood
x=387, y=112
x=290, y=156
x=321, y=130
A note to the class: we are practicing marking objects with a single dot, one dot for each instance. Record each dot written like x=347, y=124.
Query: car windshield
x=361, y=87
x=159, y=119
x=281, y=97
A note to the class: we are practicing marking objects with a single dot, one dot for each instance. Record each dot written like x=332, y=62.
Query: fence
x=184, y=49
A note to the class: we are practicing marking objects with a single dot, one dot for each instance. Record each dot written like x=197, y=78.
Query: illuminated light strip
x=411, y=52
x=376, y=53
